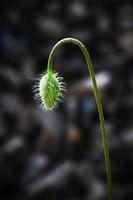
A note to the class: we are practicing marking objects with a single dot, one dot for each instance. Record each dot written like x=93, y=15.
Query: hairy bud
x=49, y=90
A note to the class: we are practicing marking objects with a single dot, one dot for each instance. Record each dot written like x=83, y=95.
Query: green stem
x=98, y=102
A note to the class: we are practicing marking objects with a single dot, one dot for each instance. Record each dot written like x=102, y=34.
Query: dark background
x=58, y=155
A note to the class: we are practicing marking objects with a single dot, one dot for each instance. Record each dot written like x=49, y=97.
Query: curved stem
x=98, y=102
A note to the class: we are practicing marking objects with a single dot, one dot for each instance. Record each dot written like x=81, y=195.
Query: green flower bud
x=49, y=90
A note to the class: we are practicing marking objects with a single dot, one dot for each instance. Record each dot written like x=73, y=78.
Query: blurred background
x=58, y=155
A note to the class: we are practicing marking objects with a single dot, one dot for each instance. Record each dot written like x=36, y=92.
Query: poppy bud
x=50, y=88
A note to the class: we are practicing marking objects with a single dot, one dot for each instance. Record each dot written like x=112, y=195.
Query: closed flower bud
x=49, y=90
